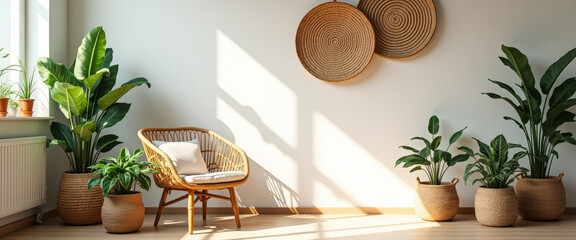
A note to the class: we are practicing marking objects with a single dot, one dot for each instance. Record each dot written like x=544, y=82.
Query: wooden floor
x=297, y=227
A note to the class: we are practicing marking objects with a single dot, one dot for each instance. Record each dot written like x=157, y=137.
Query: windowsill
x=25, y=118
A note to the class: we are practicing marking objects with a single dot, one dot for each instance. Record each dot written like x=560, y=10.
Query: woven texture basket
x=436, y=202
x=496, y=207
x=403, y=27
x=78, y=205
x=541, y=199
x=335, y=41
x=123, y=213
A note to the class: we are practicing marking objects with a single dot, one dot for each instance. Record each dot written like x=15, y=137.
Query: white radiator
x=22, y=174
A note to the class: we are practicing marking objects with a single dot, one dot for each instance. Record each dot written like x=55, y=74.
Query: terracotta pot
x=541, y=199
x=123, y=213
x=78, y=205
x=26, y=106
x=4, y=106
x=496, y=207
x=436, y=202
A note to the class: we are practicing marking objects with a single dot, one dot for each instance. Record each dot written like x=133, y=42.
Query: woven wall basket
x=436, y=202
x=335, y=41
x=402, y=27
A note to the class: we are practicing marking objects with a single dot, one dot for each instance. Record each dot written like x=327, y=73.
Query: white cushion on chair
x=186, y=156
x=214, y=177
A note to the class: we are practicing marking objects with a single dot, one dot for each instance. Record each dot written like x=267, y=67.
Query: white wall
x=231, y=66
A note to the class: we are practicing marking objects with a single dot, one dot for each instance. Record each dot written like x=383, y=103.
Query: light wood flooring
x=313, y=226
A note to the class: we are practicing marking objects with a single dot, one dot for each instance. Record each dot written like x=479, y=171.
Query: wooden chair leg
x=234, y=205
x=161, y=206
x=190, y=211
x=204, y=205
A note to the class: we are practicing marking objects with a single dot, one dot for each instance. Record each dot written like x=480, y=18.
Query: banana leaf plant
x=492, y=163
x=431, y=159
x=542, y=111
x=87, y=98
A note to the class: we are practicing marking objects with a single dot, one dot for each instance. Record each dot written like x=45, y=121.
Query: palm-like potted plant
x=496, y=203
x=25, y=90
x=123, y=210
x=87, y=98
x=435, y=200
x=540, y=113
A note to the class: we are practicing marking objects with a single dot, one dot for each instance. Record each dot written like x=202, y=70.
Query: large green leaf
x=125, y=179
x=484, y=148
x=113, y=115
x=507, y=88
x=105, y=83
x=457, y=159
x=93, y=182
x=108, y=56
x=63, y=133
x=84, y=130
x=561, y=93
x=554, y=113
x=107, y=142
x=52, y=72
x=435, y=143
x=500, y=147
x=433, y=125
x=113, y=96
x=423, y=140
x=456, y=136
x=90, y=53
x=414, y=150
x=53, y=142
x=552, y=73
x=70, y=97
x=107, y=184
x=550, y=125
x=438, y=155
x=90, y=80
x=144, y=182
x=519, y=64
x=467, y=150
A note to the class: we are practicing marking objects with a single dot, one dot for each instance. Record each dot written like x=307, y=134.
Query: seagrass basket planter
x=78, y=205
x=123, y=213
x=541, y=199
x=496, y=207
x=436, y=202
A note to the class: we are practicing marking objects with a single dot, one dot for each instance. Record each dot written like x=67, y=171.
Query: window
x=12, y=37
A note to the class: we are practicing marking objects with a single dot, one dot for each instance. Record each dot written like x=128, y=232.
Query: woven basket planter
x=541, y=199
x=496, y=207
x=78, y=205
x=123, y=213
x=436, y=202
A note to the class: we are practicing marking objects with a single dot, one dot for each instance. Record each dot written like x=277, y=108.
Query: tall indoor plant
x=87, y=99
x=435, y=200
x=495, y=203
x=123, y=210
x=540, y=113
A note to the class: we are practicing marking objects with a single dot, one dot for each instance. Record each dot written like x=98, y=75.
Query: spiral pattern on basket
x=402, y=27
x=335, y=41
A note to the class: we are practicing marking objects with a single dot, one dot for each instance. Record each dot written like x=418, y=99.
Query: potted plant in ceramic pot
x=540, y=112
x=123, y=210
x=495, y=204
x=25, y=90
x=13, y=106
x=5, y=92
x=87, y=98
x=435, y=200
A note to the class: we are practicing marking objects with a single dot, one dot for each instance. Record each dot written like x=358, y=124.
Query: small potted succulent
x=495, y=204
x=435, y=200
x=123, y=210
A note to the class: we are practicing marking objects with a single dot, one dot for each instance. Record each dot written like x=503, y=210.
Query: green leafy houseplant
x=26, y=87
x=86, y=96
x=122, y=174
x=540, y=111
x=5, y=89
x=430, y=159
x=492, y=163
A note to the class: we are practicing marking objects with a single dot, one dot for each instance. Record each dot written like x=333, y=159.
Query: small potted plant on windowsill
x=12, y=107
x=5, y=92
x=435, y=200
x=25, y=90
x=123, y=210
x=496, y=204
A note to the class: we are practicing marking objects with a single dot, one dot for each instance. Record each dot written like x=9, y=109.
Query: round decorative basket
x=78, y=205
x=123, y=213
x=335, y=41
x=403, y=27
x=541, y=199
x=436, y=202
x=496, y=207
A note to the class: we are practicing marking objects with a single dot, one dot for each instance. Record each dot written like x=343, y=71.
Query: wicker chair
x=218, y=153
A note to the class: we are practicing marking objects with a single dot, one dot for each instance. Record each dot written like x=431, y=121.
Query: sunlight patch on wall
x=253, y=86
x=349, y=175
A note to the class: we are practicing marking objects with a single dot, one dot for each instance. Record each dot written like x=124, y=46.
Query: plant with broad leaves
x=122, y=174
x=540, y=112
x=492, y=163
x=86, y=96
x=430, y=159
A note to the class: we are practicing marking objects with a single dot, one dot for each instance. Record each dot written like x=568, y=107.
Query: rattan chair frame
x=219, y=154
